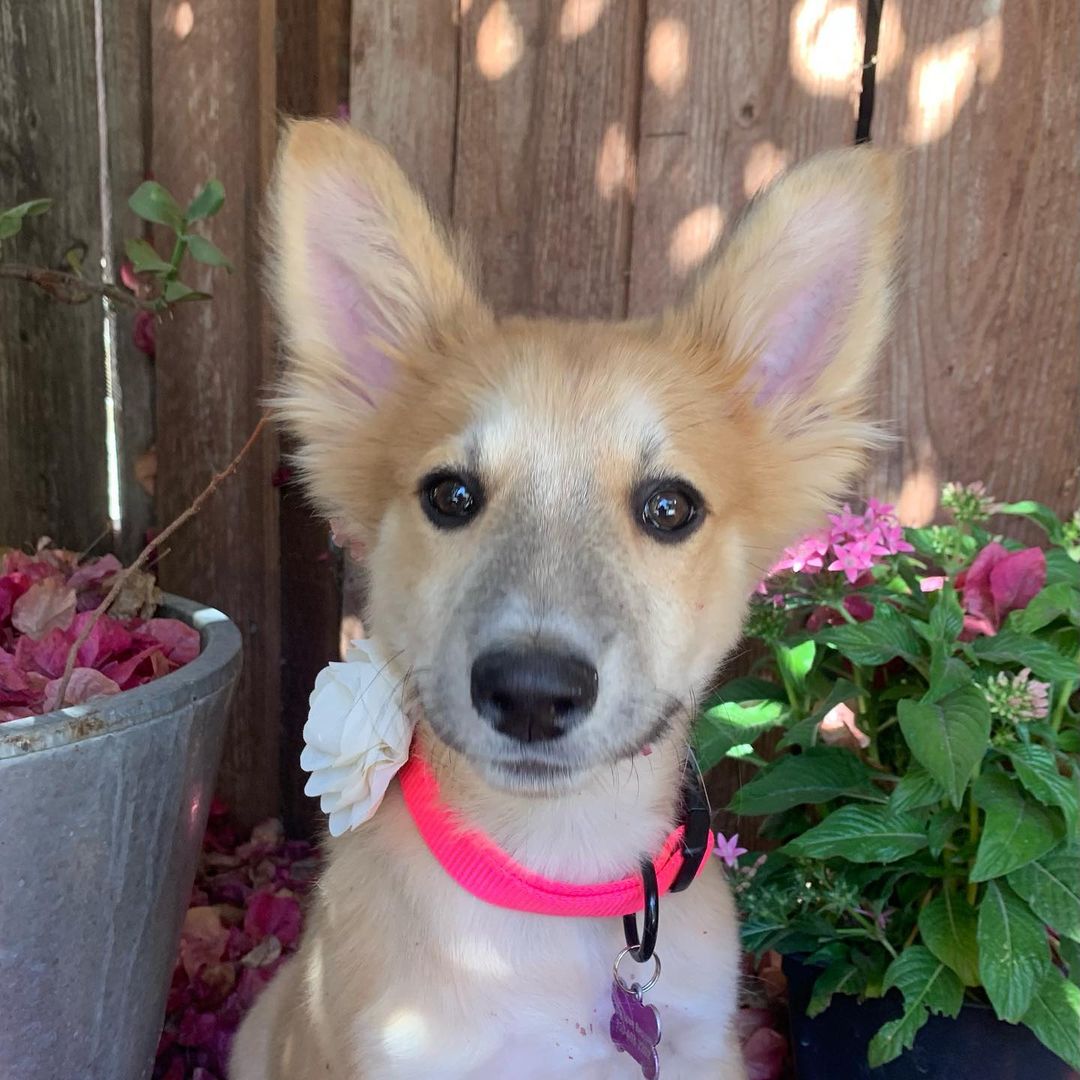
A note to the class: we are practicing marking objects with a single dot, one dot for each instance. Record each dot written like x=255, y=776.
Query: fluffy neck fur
x=597, y=832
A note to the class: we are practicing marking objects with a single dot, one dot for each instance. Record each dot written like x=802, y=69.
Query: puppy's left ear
x=791, y=318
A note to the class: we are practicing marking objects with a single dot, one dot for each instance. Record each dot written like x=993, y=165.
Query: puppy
x=562, y=522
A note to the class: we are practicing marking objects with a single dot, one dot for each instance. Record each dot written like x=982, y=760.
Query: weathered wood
x=403, y=87
x=982, y=375
x=731, y=94
x=544, y=177
x=312, y=41
x=126, y=80
x=52, y=367
x=312, y=80
x=213, y=109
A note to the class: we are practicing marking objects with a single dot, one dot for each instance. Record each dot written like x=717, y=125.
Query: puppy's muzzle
x=534, y=694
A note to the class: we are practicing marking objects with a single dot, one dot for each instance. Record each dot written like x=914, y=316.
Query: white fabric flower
x=356, y=737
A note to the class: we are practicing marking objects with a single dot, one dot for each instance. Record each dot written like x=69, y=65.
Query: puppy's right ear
x=365, y=282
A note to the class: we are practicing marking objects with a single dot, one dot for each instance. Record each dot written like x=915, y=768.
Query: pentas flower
x=806, y=557
x=969, y=503
x=1019, y=699
x=728, y=850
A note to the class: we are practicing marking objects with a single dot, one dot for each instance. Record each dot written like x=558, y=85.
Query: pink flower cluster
x=244, y=920
x=852, y=545
x=46, y=599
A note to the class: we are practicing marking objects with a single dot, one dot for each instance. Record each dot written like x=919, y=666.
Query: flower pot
x=974, y=1046
x=102, y=810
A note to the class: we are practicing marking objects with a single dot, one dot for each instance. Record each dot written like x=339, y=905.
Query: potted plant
x=113, y=703
x=925, y=886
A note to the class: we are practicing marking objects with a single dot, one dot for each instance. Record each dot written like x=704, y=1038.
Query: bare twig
x=144, y=555
x=70, y=288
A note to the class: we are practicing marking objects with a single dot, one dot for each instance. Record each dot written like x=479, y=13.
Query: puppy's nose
x=533, y=695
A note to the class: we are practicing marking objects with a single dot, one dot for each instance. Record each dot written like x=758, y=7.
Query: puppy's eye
x=451, y=500
x=670, y=510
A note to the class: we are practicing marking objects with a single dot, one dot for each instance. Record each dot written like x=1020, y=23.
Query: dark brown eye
x=451, y=500
x=670, y=510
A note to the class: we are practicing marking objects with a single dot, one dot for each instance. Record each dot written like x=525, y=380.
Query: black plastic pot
x=974, y=1046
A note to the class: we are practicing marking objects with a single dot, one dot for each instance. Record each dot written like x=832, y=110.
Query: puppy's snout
x=533, y=695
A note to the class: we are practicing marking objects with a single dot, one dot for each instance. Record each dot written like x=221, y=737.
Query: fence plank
x=126, y=70
x=52, y=367
x=547, y=114
x=404, y=87
x=213, y=107
x=732, y=92
x=312, y=80
x=982, y=375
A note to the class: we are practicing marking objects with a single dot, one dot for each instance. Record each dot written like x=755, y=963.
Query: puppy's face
x=563, y=521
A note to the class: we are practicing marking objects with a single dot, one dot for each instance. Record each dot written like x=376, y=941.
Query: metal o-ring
x=642, y=988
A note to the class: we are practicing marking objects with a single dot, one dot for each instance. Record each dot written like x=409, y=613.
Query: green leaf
x=145, y=259
x=947, y=617
x=948, y=737
x=1034, y=511
x=796, y=662
x=208, y=202
x=1009, y=647
x=863, y=834
x=941, y=829
x=1051, y=886
x=730, y=724
x=11, y=219
x=804, y=733
x=947, y=673
x=1061, y=569
x=177, y=291
x=916, y=789
x=883, y=638
x=814, y=776
x=206, y=252
x=1052, y=603
x=1038, y=772
x=153, y=203
x=1054, y=1016
x=747, y=688
x=1013, y=952
x=1016, y=830
x=948, y=926
x=928, y=986
x=841, y=977
x=1069, y=952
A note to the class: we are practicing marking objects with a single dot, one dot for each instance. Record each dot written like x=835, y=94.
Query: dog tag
x=635, y=1026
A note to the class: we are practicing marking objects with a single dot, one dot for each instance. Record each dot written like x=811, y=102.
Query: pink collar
x=486, y=871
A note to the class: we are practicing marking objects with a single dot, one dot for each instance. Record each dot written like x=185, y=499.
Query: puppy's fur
x=751, y=392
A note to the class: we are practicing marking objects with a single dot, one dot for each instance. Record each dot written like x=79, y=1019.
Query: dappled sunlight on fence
x=667, y=56
x=826, y=46
x=615, y=166
x=499, y=41
x=695, y=237
x=579, y=17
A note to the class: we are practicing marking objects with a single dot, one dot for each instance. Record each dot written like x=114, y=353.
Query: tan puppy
x=562, y=523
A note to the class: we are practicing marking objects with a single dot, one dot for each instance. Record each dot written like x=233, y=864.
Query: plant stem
x=70, y=288
x=121, y=578
x=973, y=830
x=1063, y=700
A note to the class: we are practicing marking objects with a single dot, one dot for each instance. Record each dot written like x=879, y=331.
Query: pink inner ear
x=805, y=330
x=349, y=311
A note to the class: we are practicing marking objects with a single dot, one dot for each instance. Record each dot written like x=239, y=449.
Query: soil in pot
x=974, y=1046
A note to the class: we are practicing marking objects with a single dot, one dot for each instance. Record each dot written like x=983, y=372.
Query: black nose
x=532, y=694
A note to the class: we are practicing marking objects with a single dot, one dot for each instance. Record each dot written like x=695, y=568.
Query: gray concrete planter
x=102, y=810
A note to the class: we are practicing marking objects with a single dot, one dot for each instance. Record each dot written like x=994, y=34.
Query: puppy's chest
x=547, y=1016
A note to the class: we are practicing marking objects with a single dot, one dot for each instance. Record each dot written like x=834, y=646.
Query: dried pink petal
x=47, y=605
x=84, y=685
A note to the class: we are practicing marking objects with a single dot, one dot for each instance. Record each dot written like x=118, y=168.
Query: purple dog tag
x=635, y=1028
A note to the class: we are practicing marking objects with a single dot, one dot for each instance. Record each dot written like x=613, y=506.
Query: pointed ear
x=795, y=310
x=365, y=284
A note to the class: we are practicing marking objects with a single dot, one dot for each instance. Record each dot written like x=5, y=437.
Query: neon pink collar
x=485, y=870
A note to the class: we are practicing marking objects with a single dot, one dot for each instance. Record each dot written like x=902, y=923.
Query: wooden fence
x=595, y=150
